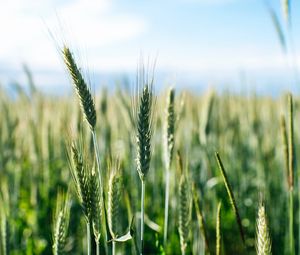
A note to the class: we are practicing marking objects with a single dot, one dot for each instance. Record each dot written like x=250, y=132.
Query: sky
x=193, y=42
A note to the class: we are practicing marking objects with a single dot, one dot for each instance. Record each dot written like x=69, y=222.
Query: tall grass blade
x=230, y=196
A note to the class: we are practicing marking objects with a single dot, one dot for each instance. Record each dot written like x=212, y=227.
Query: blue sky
x=205, y=41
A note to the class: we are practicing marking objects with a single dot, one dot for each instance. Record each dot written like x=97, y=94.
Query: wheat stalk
x=218, y=230
x=88, y=108
x=144, y=128
x=291, y=151
x=285, y=148
x=291, y=143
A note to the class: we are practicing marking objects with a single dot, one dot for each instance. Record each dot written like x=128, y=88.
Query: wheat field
x=147, y=172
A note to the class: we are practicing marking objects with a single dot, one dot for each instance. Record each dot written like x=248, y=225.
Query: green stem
x=291, y=223
x=88, y=238
x=97, y=153
x=142, y=216
x=167, y=195
x=218, y=230
x=113, y=247
x=98, y=247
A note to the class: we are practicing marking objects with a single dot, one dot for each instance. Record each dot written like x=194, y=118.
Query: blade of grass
x=230, y=196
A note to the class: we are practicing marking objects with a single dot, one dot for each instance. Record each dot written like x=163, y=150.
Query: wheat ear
x=263, y=241
x=96, y=208
x=113, y=205
x=169, y=147
x=144, y=130
x=61, y=223
x=184, y=208
x=81, y=179
x=81, y=87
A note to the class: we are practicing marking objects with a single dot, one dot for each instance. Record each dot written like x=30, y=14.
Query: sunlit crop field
x=144, y=172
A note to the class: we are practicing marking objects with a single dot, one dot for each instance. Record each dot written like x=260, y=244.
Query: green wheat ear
x=114, y=199
x=144, y=111
x=184, y=208
x=81, y=178
x=83, y=91
x=263, y=241
x=170, y=127
x=95, y=204
x=61, y=224
x=231, y=196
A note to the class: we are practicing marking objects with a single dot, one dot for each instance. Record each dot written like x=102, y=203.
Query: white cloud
x=92, y=24
x=84, y=23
